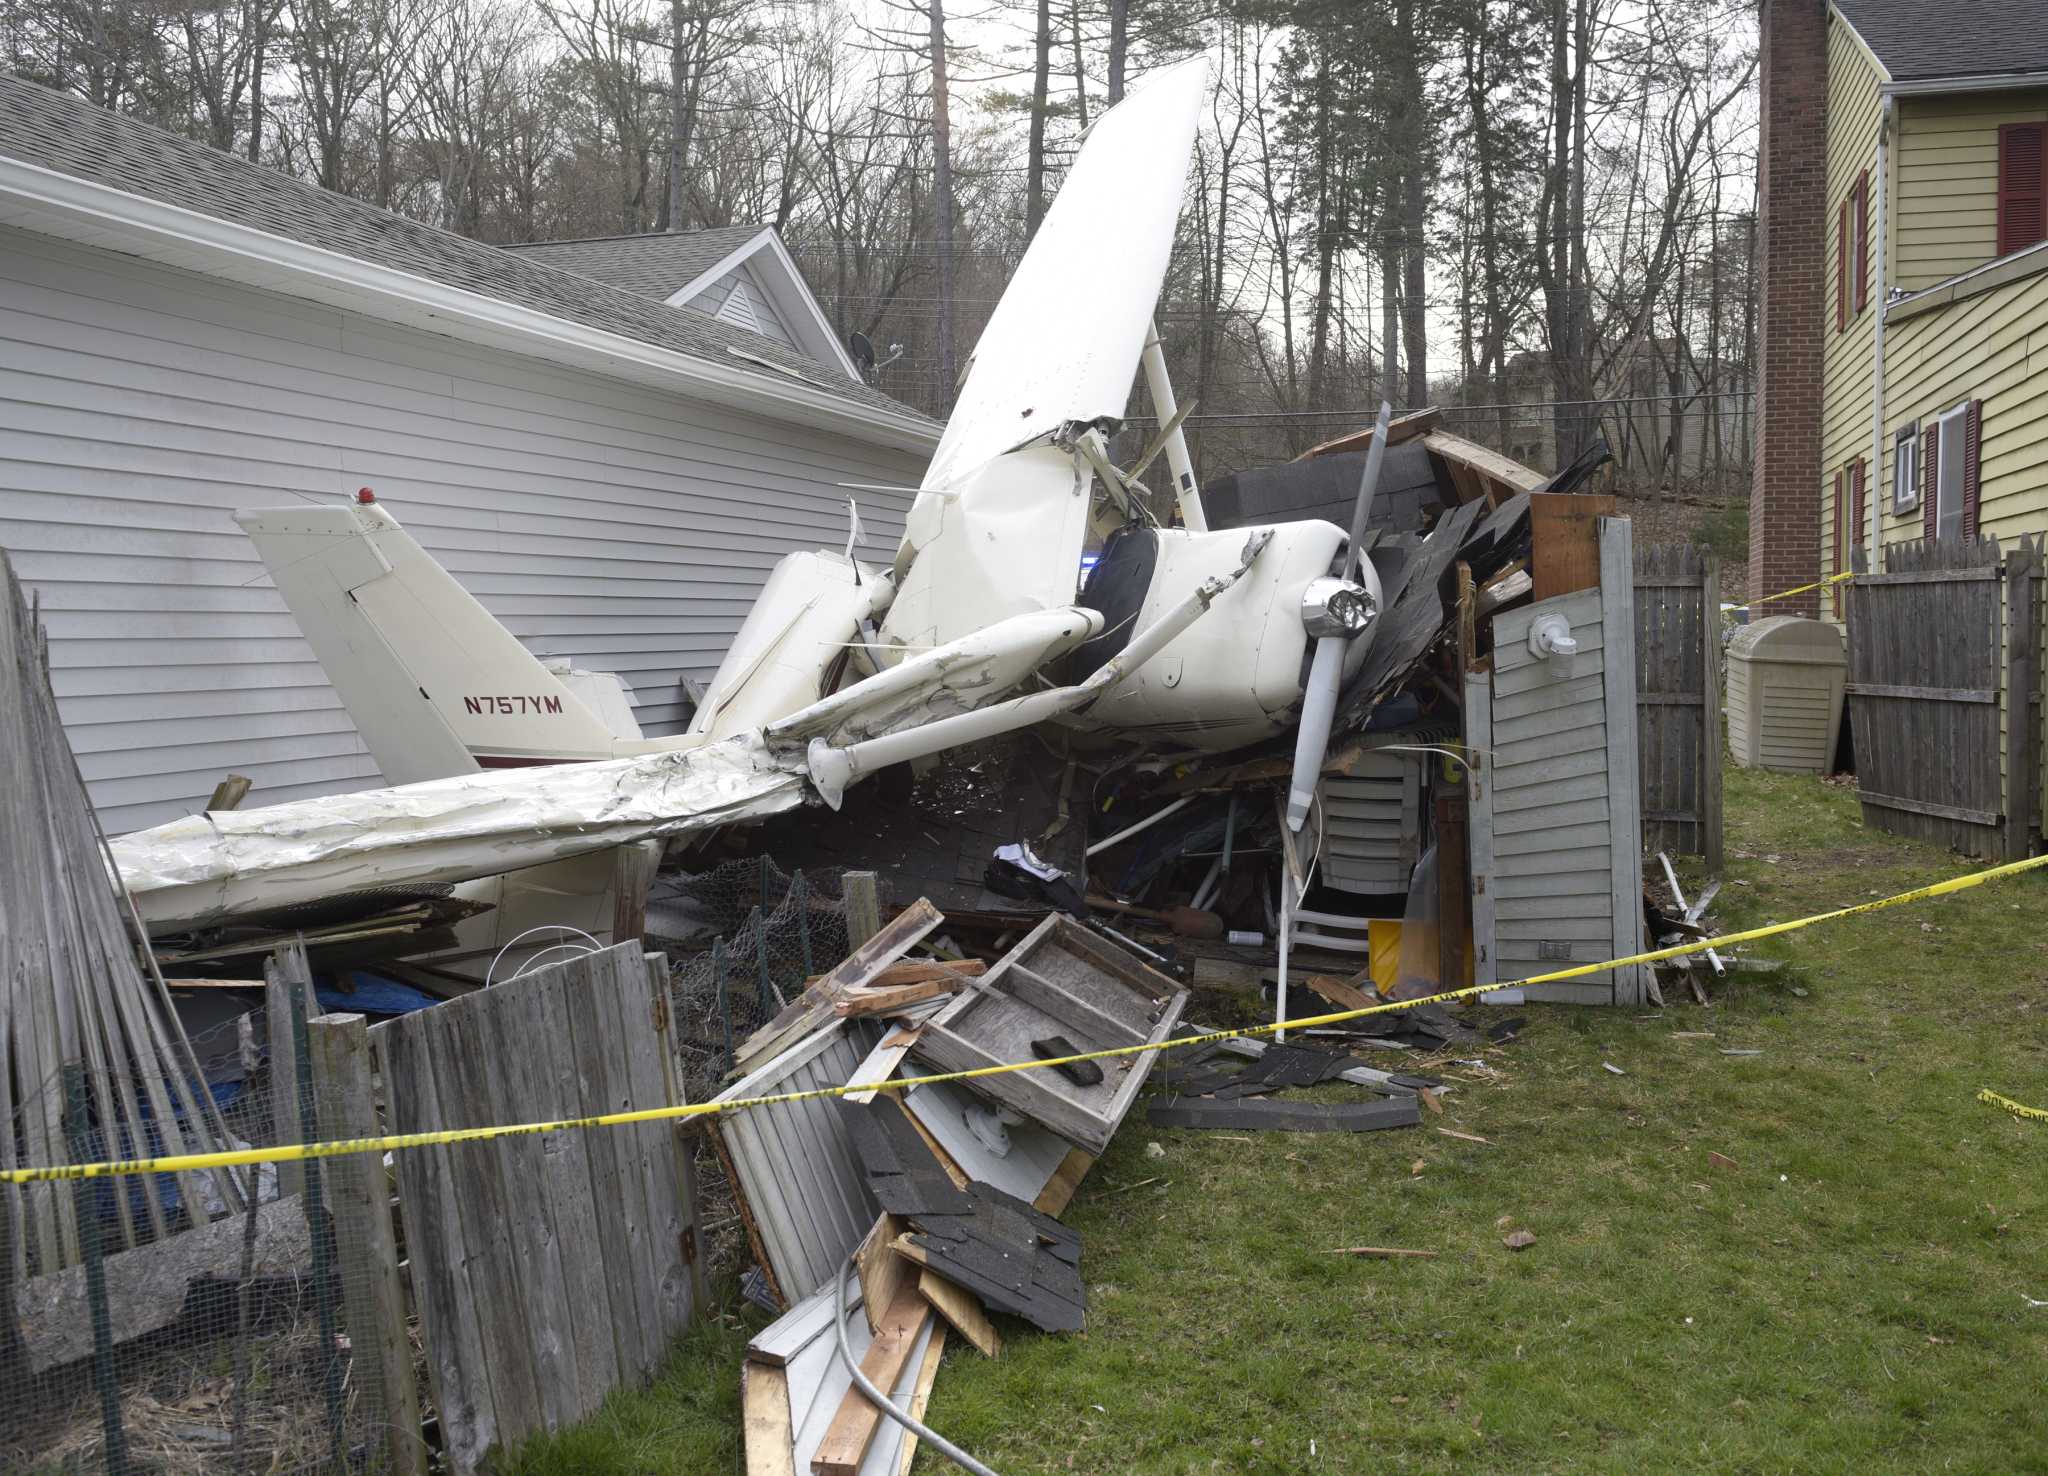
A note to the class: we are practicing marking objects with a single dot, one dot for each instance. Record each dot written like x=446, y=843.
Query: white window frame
x=1906, y=469
x=1951, y=465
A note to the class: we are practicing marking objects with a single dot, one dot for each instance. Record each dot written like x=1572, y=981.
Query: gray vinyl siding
x=1556, y=828
x=140, y=405
x=1552, y=883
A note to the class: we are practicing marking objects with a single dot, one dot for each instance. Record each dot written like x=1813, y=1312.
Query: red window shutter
x=1863, y=241
x=1850, y=509
x=1840, y=510
x=1972, y=441
x=2022, y=185
x=1930, y=476
x=1842, y=268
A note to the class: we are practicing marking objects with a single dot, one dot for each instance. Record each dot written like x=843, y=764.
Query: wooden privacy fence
x=1944, y=663
x=549, y=1269
x=1678, y=699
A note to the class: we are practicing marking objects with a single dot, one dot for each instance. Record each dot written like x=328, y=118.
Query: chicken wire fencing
x=237, y=1319
x=203, y=1321
x=755, y=934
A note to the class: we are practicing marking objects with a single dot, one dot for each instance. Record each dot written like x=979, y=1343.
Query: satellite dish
x=863, y=350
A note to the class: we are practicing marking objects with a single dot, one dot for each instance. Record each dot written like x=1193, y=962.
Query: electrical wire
x=595, y=946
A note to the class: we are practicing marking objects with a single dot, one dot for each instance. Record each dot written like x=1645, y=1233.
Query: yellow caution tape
x=1786, y=594
x=298, y=1152
x=2023, y=1113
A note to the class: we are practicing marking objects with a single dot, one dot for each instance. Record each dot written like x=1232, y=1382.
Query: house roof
x=56, y=132
x=658, y=264
x=1919, y=42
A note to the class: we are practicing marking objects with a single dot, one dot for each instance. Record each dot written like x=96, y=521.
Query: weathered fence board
x=548, y=1270
x=1943, y=647
x=1678, y=699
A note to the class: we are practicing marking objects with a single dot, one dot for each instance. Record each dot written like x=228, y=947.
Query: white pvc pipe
x=1875, y=531
x=1146, y=824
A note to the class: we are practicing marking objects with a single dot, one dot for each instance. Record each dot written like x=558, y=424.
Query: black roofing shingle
x=61, y=133
x=1923, y=41
x=656, y=265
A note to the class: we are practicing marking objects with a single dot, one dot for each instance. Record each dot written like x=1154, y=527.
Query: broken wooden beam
x=960, y=1308
x=854, y=1424
x=813, y=1007
x=917, y=970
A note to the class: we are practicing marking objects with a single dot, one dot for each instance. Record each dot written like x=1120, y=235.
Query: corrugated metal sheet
x=139, y=406
x=805, y=1190
x=1556, y=824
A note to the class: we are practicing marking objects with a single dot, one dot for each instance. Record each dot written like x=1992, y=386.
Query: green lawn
x=1851, y=1295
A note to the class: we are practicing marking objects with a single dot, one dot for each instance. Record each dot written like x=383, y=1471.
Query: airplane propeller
x=1336, y=612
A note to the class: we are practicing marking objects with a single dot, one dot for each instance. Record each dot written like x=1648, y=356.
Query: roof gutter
x=1980, y=82
x=68, y=207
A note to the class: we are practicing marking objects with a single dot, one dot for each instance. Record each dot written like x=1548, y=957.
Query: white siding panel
x=1549, y=816
x=140, y=406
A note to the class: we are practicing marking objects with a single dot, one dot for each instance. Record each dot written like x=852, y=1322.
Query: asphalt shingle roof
x=59, y=132
x=656, y=265
x=1921, y=41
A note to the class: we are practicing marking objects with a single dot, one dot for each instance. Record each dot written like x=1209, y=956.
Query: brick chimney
x=1784, y=507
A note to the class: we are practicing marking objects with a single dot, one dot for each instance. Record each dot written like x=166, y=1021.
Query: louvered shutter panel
x=2022, y=185
x=1842, y=267
x=1972, y=438
x=1863, y=241
x=1842, y=537
x=1859, y=509
x=1930, y=476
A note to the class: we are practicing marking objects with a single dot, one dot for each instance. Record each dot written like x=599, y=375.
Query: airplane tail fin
x=433, y=682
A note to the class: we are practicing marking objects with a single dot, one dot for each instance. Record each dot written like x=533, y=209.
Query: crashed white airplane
x=842, y=668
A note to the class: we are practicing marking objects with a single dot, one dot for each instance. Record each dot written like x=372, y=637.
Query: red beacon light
x=365, y=496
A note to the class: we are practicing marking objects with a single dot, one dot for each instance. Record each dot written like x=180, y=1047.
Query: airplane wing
x=1064, y=342
x=210, y=866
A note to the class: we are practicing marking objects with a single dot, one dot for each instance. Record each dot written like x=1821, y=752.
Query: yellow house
x=1934, y=370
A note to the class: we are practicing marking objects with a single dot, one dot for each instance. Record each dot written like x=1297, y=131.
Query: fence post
x=633, y=870
x=278, y=989
x=800, y=891
x=292, y=969
x=360, y=1198
x=681, y=1139
x=78, y=1131
x=766, y=980
x=863, y=908
x=724, y=1004
x=2022, y=657
x=1711, y=742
